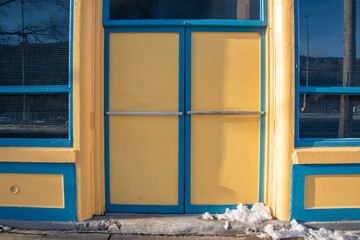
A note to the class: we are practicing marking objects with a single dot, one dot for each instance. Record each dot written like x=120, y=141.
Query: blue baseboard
x=68, y=213
x=298, y=211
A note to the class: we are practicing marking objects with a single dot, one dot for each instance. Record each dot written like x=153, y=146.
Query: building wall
x=65, y=183
x=298, y=181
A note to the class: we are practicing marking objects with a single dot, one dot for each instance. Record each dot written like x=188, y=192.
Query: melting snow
x=257, y=214
x=260, y=213
x=4, y=228
x=227, y=225
x=299, y=230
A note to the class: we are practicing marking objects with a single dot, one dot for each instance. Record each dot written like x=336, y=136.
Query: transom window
x=185, y=9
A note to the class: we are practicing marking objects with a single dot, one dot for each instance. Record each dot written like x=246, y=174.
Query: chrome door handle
x=226, y=112
x=145, y=113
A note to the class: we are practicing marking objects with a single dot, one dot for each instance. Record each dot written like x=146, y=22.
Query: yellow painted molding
x=326, y=155
x=88, y=107
x=282, y=96
x=46, y=155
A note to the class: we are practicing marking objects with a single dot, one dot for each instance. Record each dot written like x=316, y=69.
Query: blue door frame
x=184, y=203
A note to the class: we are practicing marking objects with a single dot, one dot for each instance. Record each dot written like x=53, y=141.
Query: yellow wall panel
x=31, y=190
x=332, y=191
x=144, y=72
x=144, y=160
x=224, y=159
x=225, y=71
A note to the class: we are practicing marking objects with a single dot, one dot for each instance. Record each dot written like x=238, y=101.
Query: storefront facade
x=168, y=109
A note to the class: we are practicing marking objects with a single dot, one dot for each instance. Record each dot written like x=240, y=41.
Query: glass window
x=34, y=116
x=34, y=69
x=329, y=70
x=321, y=117
x=34, y=42
x=185, y=9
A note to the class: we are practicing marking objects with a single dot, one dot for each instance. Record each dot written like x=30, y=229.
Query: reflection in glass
x=34, y=42
x=43, y=116
x=325, y=51
x=320, y=118
x=185, y=9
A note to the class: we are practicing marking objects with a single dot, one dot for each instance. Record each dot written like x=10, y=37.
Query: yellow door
x=184, y=119
x=144, y=120
x=224, y=119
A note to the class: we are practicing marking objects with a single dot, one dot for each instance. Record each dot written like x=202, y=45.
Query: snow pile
x=296, y=230
x=325, y=234
x=299, y=230
x=257, y=214
x=227, y=225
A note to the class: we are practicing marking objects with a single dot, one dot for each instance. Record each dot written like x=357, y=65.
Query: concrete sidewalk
x=123, y=226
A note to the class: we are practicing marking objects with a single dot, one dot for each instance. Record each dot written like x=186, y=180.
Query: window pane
x=185, y=9
x=34, y=42
x=34, y=116
x=329, y=116
x=328, y=57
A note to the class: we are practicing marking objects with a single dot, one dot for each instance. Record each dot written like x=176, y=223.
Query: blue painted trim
x=34, y=89
x=47, y=142
x=106, y=121
x=262, y=118
x=182, y=22
x=297, y=73
x=316, y=142
x=71, y=75
x=328, y=142
x=263, y=11
x=143, y=208
x=189, y=208
x=181, y=185
x=68, y=213
x=34, y=142
x=187, y=121
x=147, y=208
x=298, y=190
x=330, y=90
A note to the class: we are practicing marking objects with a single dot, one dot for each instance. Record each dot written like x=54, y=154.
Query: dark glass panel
x=319, y=116
x=322, y=43
x=185, y=9
x=34, y=42
x=34, y=116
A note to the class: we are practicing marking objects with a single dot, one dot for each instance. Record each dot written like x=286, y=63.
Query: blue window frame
x=36, y=52
x=327, y=111
x=182, y=18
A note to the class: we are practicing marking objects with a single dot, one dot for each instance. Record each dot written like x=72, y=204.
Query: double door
x=184, y=118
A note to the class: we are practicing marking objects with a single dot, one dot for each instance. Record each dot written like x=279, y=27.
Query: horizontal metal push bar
x=226, y=112
x=144, y=113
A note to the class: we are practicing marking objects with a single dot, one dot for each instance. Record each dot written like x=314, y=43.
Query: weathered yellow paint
x=88, y=107
x=281, y=72
x=225, y=71
x=224, y=159
x=49, y=155
x=144, y=160
x=326, y=155
x=143, y=155
x=144, y=72
x=332, y=191
x=225, y=74
x=31, y=190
